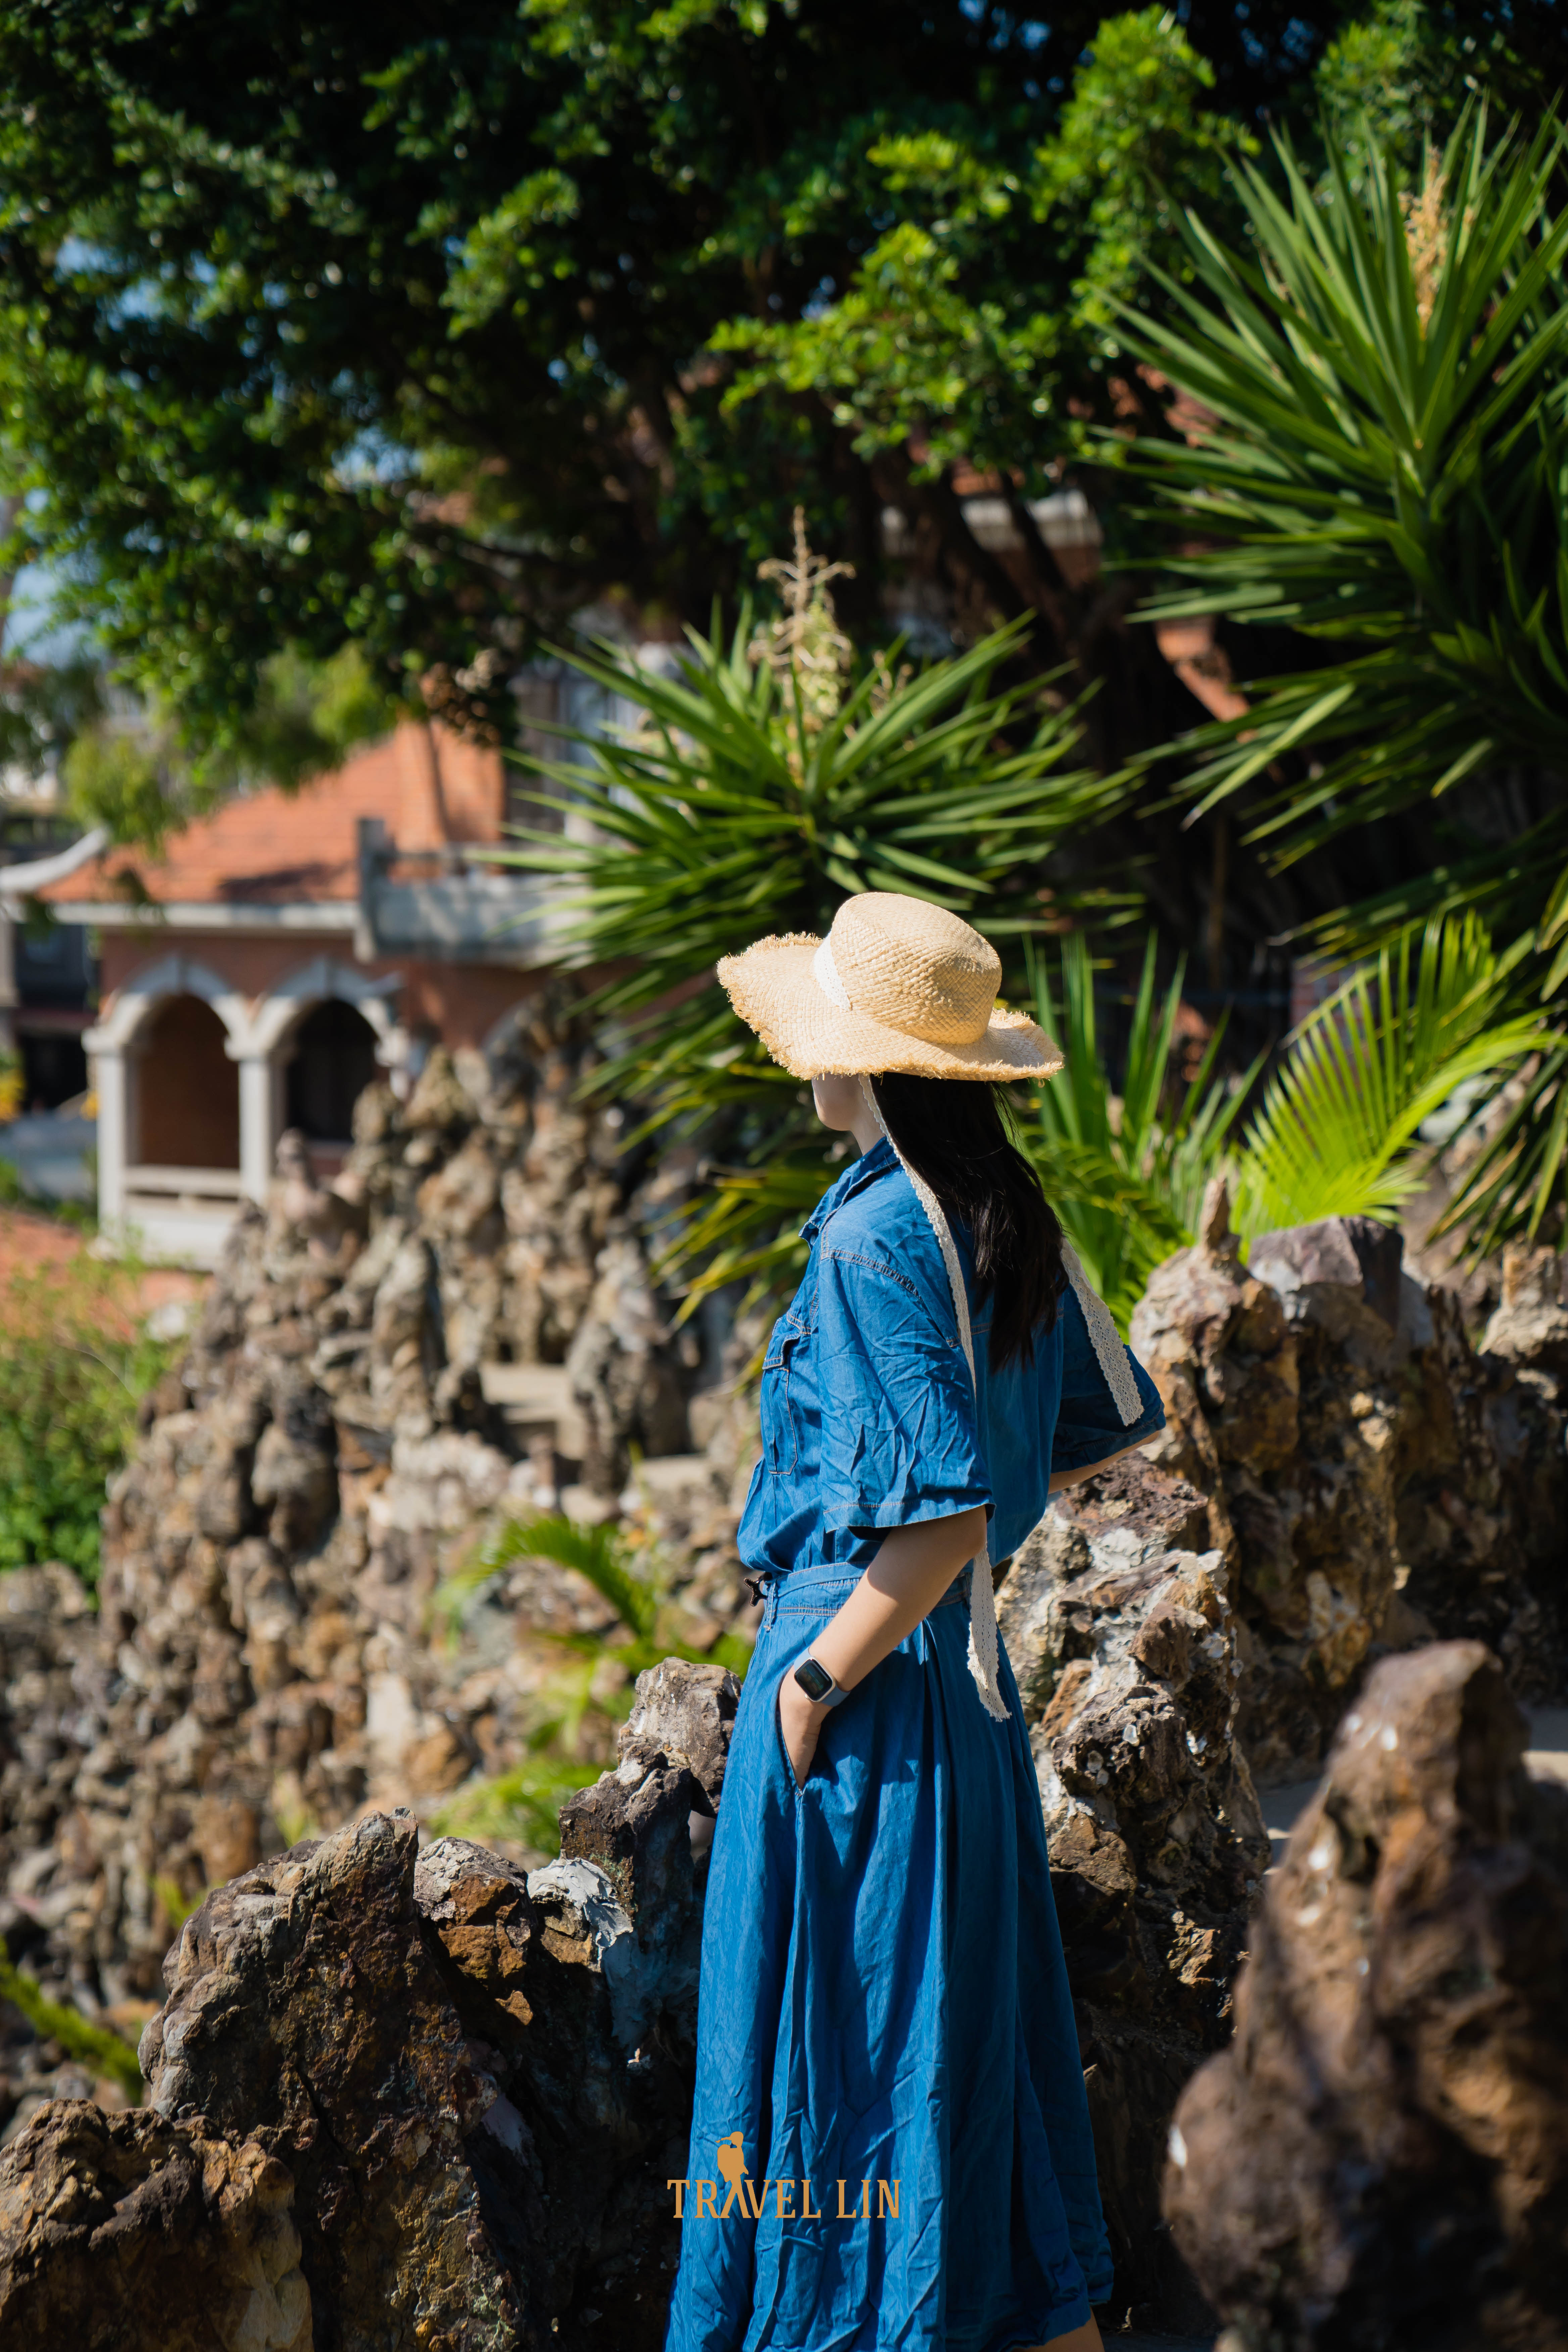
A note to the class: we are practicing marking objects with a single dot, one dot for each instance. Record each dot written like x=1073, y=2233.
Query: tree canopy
x=426, y=331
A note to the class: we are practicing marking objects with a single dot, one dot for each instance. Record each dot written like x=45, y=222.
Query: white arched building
x=178, y=1206
x=275, y=958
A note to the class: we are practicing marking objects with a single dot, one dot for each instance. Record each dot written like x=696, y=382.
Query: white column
x=258, y=1123
x=8, y=982
x=111, y=1082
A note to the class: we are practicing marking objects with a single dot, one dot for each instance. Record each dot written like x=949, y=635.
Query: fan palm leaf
x=1338, y=1129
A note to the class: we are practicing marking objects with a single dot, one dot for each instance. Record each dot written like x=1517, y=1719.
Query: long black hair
x=957, y=1134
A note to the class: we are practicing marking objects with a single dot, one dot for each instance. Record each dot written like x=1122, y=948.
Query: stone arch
x=137, y=1000
x=279, y=1012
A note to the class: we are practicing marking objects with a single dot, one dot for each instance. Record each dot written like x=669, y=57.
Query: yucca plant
x=765, y=780
x=522, y=1804
x=1384, y=471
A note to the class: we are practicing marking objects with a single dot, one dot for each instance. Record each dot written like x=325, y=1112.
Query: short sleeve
x=899, y=1441
x=1088, y=1421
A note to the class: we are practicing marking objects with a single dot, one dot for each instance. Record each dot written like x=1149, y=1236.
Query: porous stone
x=1380, y=2158
x=1122, y=1639
x=479, y=2080
x=130, y=2233
x=1371, y=1479
x=265, y=1659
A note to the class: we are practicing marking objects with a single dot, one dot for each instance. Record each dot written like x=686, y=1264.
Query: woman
x=890, y=2144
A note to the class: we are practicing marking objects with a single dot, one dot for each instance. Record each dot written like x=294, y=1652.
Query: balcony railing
x=448, y=902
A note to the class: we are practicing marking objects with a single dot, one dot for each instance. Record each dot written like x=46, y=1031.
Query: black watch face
x=814, y=1680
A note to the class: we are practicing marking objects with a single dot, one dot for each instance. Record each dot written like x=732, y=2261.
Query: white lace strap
x=983, y=1654
x=1106, y=1342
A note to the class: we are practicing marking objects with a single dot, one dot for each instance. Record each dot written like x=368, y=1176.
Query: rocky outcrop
x=1380, y=2159
x=403, y=2096
x=129, y=2233
x=265, y=1661
x=1122, y=1638
x=1371, y=1479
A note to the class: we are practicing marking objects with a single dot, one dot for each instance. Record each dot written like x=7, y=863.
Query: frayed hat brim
x=774, y=989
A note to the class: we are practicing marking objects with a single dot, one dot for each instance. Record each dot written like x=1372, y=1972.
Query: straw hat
x=898, y=984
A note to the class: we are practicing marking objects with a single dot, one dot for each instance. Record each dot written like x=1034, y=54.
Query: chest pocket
x=780, y=1429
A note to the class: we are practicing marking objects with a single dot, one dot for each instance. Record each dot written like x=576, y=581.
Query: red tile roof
x=275, y=848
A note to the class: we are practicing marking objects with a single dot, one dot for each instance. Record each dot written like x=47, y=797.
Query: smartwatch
x=818, y=1683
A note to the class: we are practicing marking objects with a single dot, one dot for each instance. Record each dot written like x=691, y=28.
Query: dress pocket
x=778, y=1733
x=781, y=1438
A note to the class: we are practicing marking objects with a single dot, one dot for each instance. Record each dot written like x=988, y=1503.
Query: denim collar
x=859, y=1173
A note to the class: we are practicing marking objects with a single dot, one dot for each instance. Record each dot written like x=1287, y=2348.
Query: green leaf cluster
x=333, y=325
x=1125, y=1172
x=1386, y=474
x=1337, y=1130
x=738, y=805
x=75, y=1363
x=562, y=1754
x=977, y=326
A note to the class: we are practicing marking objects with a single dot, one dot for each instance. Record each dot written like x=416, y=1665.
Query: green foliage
x=983, y=309
x=521, y=1807
x=1386, y=476
x=75, y=1362
x=757, y=793
x=1125, y=1173
x=44, y=706
x=176, y=1905
x=389, y=325
x=113, y=777
x=104, y=2052
x=1336, y=1132
x=142, y=779
x=563, y=1753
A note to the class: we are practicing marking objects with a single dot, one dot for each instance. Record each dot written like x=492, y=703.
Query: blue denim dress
x=890, y=2144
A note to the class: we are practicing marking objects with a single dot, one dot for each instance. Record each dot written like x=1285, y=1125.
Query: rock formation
x=1344, y=1475
x=1380, y=2159
x=1372, y=1478
x=401, y=2097
x=128, y=2234
x=1122, y=1639
x=265, y=1660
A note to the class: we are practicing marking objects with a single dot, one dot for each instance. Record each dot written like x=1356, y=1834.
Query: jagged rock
x=683, y=1714
x=1122, y=1640
x=648, y=1827
x=1529, y=1327
x=264, y=1661
x=303, y=2010
x=468, y=2073
x=128, y=2234
x=1371, y=1480
x=1380, y=2159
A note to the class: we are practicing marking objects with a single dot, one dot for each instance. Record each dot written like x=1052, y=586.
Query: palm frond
x=1125, y=1174
x=598, y=1553
x=1386, y=474
x=1337, y=1132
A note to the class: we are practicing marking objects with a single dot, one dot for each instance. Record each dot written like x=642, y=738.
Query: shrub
x=75, y=1362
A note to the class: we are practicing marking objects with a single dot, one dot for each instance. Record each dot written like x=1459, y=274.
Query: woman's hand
x=800, y=1720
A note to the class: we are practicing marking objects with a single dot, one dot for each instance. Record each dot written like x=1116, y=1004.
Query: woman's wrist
x=816, y=1710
